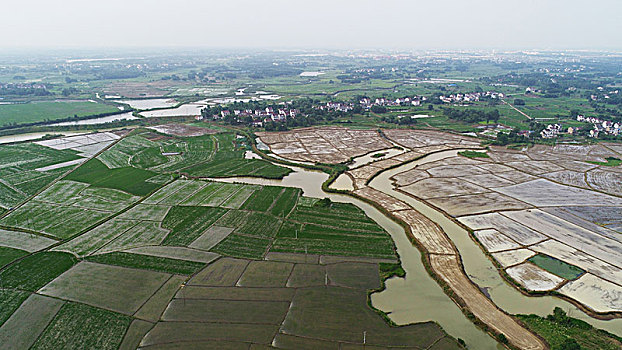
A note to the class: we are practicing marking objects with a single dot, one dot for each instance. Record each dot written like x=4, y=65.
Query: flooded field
x=102, y=120
x=478, y=267
x=417, y=298
x=150, y=103
x=183, y=110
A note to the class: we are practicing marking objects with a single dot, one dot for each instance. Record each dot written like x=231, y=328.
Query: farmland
x=35, y=112
x=157, y=258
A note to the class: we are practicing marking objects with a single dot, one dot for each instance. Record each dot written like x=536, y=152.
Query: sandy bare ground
x=183, y=130
x=326, y=144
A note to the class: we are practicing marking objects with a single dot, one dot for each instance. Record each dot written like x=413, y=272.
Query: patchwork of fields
x=141, y=260
x=549, y=216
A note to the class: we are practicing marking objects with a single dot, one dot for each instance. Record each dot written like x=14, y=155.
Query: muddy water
x=37, y=135
x=369, y=158
x=479, y=268
x=416, y=298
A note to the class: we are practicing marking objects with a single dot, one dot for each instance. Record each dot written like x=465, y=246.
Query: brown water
x=478, y=267
x=416, y=298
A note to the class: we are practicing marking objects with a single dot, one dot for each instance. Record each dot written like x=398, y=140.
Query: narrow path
x=518, y=110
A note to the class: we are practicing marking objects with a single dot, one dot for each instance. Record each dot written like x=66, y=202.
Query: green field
x=146, y=262
x=474, y=154
x=10, y=301
x=9, y=254
x=563, y=332
x=187, y=223
x=556, y=267
x=36, y=270
x=17, y=169
x=128, y=179
x=79, y=326
x=35, y=112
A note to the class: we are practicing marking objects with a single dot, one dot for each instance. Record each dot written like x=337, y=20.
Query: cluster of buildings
x=470, y=97
x=604, y=95
x=336, y=106
x=23, y=86
x=260, y=116
x=415, y=101
x=551, y=131
x=601, y=126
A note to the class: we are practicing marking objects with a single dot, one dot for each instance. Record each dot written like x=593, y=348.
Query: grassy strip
x=7, y=255
x=10, y=301
x=36, y=270
x=79, y=326
x=563, y=332
x=610, y=161
x=474, y=154
x=147, y=262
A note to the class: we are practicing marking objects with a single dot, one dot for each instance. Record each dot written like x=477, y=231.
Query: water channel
x=417, y=297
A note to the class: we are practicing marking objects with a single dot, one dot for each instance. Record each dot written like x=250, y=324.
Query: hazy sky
x=390, y=24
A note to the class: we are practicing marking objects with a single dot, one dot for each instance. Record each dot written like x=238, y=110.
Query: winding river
x=417, y=297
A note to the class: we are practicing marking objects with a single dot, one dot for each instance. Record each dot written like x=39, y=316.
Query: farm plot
x=266, y=274
x=149, y=212
x=251, y=223
x=233, y=311
x=442, y=187
x=119, y=155
x=575, y=236
x=557, y=195
x=180, y=253
x=513, y=257
x=229, y=161
x=188, y=223
x=78, y=326
x=556, y=267
x=145, y=233
x=93, y=240
x=127, y=179
x=510, y=228
x=155, y=306
x=148, y=262
x=211, y=237
x=19, y=174
x=183, y=130
x=43, y=217
x=110, y=287
x=534, y=278
x=494, y=241
x=326, y=145
x=24, y=241
x=605, y=181
x=414, y=139
x=242, y=246
x=339, y=315
x=263, y=199
x=578, y=258
x=597, y=294
x=81, y=195
x=36, y=270
x=7, y=255
x=68, y=200
x=24, y=326
x=214, y=194
x=222, y=272
x=477, y=203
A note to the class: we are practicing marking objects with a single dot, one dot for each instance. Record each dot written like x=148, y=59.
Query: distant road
x=516, y=109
